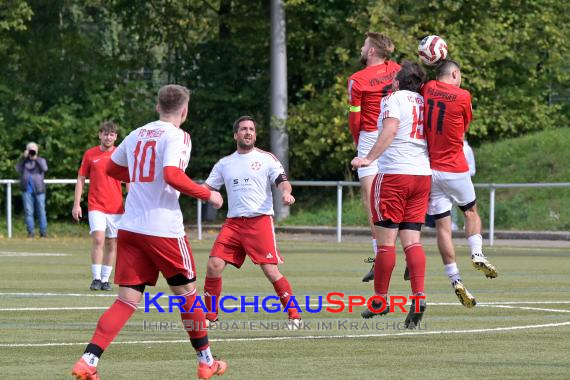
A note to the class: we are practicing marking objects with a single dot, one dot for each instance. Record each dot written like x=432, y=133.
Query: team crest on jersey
x=256, y=165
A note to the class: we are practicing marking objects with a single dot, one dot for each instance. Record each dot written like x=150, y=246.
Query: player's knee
x=98, y=239
x=271, y=271
x=215, y=266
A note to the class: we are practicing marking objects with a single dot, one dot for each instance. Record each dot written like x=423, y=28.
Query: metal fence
x=339, y=194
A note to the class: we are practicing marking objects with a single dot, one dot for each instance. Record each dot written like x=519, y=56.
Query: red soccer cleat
x=216, y=369
x=83, y=371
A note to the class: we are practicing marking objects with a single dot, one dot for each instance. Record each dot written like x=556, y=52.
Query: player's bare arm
x=76, y=212
x=286, y=189
x=390, y=127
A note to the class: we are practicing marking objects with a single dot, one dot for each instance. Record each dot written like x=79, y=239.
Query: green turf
x=446, y=347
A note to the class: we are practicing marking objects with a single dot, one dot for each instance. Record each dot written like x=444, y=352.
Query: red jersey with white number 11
x=447, y=115
x=152, y=206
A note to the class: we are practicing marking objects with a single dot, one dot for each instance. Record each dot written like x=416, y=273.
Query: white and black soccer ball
x=432, y=50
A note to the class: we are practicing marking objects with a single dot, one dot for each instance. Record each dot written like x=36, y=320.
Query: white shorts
x=448, y=188
x=366, y=141
x=99, y=221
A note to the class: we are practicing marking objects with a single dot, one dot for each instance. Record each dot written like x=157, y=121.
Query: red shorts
x=400, y=197
x=140, y=258
x=254, y=237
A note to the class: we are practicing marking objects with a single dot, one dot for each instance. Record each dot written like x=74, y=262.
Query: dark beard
x=245, y=146
x=363, y=60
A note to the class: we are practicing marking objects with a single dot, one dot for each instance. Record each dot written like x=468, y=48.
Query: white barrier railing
x=338, y=184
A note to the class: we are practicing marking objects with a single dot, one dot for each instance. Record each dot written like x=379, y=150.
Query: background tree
x=69, y=64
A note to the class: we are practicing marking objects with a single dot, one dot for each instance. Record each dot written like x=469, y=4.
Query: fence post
x=9, y=209
x=492, y=215
x=199, y=217
x=339, y=213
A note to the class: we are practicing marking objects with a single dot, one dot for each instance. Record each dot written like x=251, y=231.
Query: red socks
x=112, y=322
x=284, y=292
x=194, y=322
x=383, y=267
x=416, y=261
x=212, y=287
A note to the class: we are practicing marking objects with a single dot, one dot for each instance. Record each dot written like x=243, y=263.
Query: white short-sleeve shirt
x=247, y=178
x=152, y=206
x=407, y=154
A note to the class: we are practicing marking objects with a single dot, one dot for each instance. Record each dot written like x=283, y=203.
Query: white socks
x=476, y=244
x=106, y=272
x=452, y=272
x=205, y=356
x=96, y=271
x=101, y=272
x=90, y=359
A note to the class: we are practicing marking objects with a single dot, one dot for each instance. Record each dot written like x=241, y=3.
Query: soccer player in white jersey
x=151, y=236
x=400, y=190
x=248, y=230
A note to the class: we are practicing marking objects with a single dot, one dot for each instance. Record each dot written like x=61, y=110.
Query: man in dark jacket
x=32, y=168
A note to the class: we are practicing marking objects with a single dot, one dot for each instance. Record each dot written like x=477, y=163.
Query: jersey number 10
x=147, y=159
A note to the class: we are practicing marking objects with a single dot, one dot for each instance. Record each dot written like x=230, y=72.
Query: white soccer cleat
x=481, y=263
x=465, y=297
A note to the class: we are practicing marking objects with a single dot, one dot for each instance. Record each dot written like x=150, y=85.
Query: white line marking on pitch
x=528, y=308
x=31, y=254
x=410, y=333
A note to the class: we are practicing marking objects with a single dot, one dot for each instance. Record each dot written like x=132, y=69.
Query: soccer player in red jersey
x=105, y=205
x=400, y=190
x=247, y=175
x=151, y=236
x=366, y=88
x=447, y=115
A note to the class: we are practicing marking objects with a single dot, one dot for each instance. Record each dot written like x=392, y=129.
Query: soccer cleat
x=96, y=285
x=463, y=294
x=367, y=314
x=216, y=369
x=413, y=318
x=481, y=263
x=83, y=371
x=369, y=276
x=407, y=274
x=106, y=286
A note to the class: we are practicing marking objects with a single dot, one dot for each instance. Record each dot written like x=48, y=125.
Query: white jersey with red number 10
x=407, y=154
x=152, y=206
x=248, y=178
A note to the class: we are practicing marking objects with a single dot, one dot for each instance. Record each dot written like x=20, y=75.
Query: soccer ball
x=432, y=49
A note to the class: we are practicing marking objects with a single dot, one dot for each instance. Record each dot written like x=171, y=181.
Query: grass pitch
x=519, y=329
